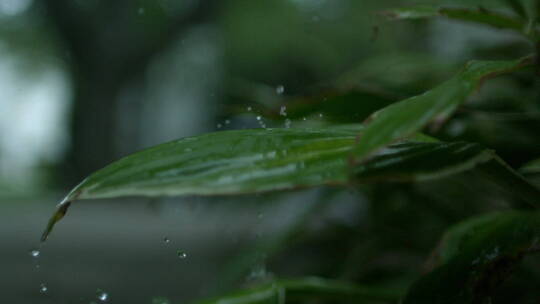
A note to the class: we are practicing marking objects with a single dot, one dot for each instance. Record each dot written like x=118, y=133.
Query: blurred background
x=85, y=82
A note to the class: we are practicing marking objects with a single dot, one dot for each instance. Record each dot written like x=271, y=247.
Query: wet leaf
x=479, y=16
x=408, y=116
x=475, y=256
x=312, y=288
x=259, y=160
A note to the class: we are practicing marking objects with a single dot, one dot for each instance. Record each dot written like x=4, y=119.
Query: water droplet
x=283, y=111
x=219, y=126
x=181, y=254
x=304, y=119
x=287, y=123
x=249, y=109
x=43, y=288
x=160, y=300
x=259, y=118
x=227, y=121
x=166, y=240
x=102, y=295
x=280, y=89
x=35, y=253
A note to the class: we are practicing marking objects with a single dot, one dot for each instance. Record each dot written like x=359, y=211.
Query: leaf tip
x=60, y=212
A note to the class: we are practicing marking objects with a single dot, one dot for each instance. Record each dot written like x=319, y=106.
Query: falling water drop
x=181, y=254
x=35, y=253
x=43, y=288
x=259, y=118
x=166, y=240
x=280, y=89
x=227, y=121
x=160, y=300
x=249, y=109
x=219, y=126
x=102, y=296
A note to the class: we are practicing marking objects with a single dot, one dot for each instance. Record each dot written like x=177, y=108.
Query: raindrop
x=43, y=288
x=166, y=240
x=249, y=109
x=160, y=300
x=35, y=253
x=181, y=254
x=283, y=111
x=304, y=119
x=287, y=123
x=321, y=115
x=227, y=121
x=280, y=89
x=102, y=296
x=259, y=118
x=219, y=126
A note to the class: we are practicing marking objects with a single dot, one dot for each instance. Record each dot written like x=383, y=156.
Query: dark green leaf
x=281, y=291
x=532, y=167
x=252, y=161
x=517, y=7
x=480, y=16
x=406, y=117
x=475, y=256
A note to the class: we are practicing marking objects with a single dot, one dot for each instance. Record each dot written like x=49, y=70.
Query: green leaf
x=259, y=160
x=310, y=288
x=475, y=256
x=517, y=7
x=406, y=117
x=532, y=167
x=480, y=16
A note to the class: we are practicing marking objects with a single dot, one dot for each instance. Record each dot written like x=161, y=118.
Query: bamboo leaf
x=532, y=167
x=479, y=16
x=310, y=288
x=259, y=160
x=475, y=256
x=408, y=116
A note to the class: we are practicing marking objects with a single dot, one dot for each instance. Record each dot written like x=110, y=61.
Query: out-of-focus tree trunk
x=99, y=72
